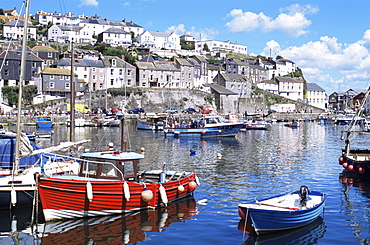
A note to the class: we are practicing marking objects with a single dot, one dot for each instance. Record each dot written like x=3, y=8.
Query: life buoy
x=350, y=167
x=361, y=170
x=162, y=192
x=126, y=191
x=89, y=191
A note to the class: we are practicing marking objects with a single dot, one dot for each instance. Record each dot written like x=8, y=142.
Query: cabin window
x=128, y=168
x=109, y=170
x=90, y=168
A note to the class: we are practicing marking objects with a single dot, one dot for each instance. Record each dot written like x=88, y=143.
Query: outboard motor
x=303, y=194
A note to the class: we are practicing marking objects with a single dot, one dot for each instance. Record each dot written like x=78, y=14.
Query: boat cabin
x=113, y=165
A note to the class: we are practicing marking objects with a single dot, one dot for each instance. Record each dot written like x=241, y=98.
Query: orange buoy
x=341, y=160
x=192, y=185
x=203, y=131
x=345, y=165
x=361, y=170
x=350, y=167
x=147, y=195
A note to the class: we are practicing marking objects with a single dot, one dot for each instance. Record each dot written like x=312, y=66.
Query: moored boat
x=109, y=183
x=283, y=212
x=154, y=124
x=44, y=122
x=256, y=125
x=293, y=124
x=355, y=159
x=208, y=126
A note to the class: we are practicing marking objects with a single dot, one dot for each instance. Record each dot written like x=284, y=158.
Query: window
x=94, y=77
x=112, y=82
x=128, y=72
x=111, y=71
x=93, y=69
x=67, y=86
x=51, y=77
x=51, y=84
x=50, y=54
x=120, y=72
x=61, y=77
x=6, y=72
x=113, y=62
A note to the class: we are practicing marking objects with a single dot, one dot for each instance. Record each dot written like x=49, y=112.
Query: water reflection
x=305, y=235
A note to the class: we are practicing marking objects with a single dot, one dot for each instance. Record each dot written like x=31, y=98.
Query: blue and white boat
x=208, y=126
x=44, y=122
x=283, y=212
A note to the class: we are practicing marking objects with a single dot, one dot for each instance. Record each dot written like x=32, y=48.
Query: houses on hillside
x=227, y=78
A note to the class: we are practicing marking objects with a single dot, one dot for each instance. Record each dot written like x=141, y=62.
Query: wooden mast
x=21, y=81
x=72, y=99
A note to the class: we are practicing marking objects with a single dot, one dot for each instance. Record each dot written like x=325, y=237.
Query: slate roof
x=183, y=62
x=145, y=65
x=220, y=89
x=107, y=61
x=20, y=23
x=16, y=55
x=268, y=82
x=233, y=77
x=81, y=63
x=115, y=31
x=160, y=34
x=94, y=21
x=151, y=58
x=122, y=23
x=69, y=28
x=313, y=87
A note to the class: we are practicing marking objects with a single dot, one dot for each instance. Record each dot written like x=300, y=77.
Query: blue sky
x=329, y=40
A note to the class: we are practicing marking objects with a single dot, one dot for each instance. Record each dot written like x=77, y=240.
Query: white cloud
x=294, y=23
x=89, y=3
x=328, y=62
x=125, y=4
x=198, y=34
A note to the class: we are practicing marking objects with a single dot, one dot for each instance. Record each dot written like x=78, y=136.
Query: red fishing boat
x=108, y=183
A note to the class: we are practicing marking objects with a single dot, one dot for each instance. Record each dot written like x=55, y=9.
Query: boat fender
x=13, y=197
x=162, y=192
x=181, y=188
x=89, y=191
x=197, y=180
x=147, y=195
x=126, y=191
x=203, y=131
x=361, y=170
x=303, y=194
x=350, y=167
x=192, y=185
x=345, y=165
x=341, y=160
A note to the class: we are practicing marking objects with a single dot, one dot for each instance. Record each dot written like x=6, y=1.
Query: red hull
x=67, y=198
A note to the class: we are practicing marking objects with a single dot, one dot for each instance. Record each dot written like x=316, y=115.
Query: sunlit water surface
x=254, y=164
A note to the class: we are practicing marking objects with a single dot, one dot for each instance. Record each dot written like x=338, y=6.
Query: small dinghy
x=282, y=212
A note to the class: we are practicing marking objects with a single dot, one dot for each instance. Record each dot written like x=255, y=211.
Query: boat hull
x=270, y=220
x=148, y=126
x=357, y=161
x=64, y=198
x=218, y=131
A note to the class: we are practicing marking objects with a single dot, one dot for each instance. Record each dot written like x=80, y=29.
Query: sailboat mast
x=21, y=81
x=72, y=99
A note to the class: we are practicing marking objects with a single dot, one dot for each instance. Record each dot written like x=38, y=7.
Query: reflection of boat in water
x=309, y=234
x=119, y=229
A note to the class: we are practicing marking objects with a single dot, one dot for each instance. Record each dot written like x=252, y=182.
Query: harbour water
x=254, y=164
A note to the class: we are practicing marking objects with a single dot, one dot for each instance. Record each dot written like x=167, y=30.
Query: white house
x=119, y=73
x=57, y=18
x=290, y=88
x=268, y=85
x=214, y=45
x=115, y=36
x=316, y=95
x=60, y=33
x=14, y=29
x=157, y=39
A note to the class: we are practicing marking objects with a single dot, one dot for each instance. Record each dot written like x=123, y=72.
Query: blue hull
x=266, y=221
x=45, y=124
x=219, y=131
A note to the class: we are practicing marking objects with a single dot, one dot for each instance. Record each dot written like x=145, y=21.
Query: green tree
x=186, y=46
x=11, y=94
x=205, y=47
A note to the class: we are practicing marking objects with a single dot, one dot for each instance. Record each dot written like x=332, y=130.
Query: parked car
x=190, y=111
x=171, y=110
x=205, y=111
x=136, y=111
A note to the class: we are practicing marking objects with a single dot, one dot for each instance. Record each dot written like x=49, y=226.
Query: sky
x=328, y=40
